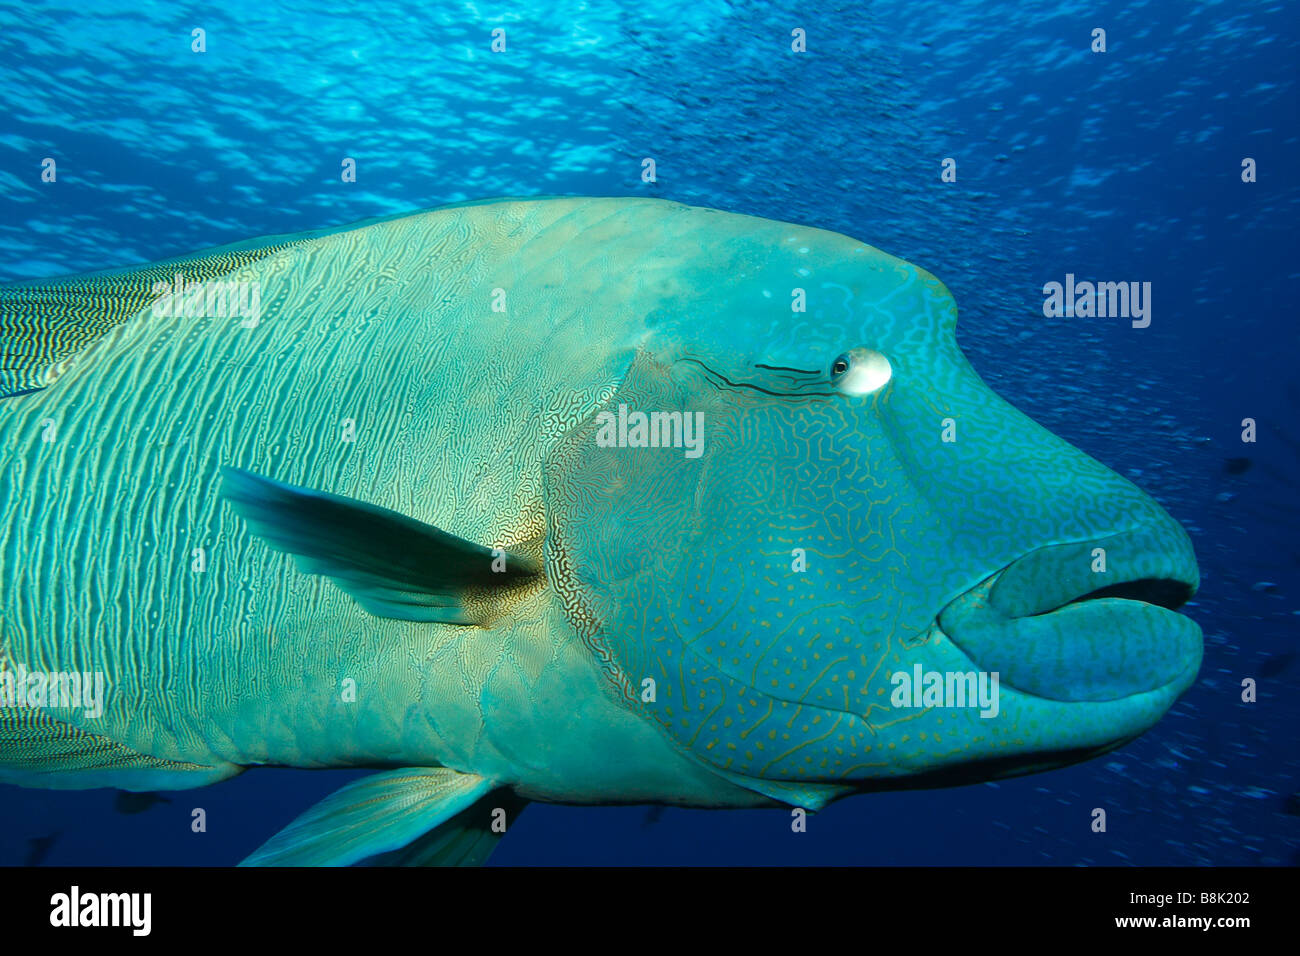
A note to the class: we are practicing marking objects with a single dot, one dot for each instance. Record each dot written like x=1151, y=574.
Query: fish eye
x=861, y=371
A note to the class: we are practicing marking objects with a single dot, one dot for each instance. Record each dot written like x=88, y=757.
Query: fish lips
x=1086, y=620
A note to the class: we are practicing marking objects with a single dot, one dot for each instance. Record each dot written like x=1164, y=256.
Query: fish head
x=859, y=567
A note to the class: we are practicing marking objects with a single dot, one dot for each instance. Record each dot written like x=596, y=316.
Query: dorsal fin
x=45, y=322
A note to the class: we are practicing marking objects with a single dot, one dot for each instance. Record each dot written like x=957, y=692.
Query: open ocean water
x=1123, y=165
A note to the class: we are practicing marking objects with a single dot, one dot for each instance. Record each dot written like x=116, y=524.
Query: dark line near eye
x=756, y=388
x=784, y=368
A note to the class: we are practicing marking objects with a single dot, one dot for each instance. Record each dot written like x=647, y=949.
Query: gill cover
x=746, y=588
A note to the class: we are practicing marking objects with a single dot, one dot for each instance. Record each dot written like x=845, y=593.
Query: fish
x=654, y=813
x=589, y=501
x=128, y=803
x=1275, y=664
x=39, y=847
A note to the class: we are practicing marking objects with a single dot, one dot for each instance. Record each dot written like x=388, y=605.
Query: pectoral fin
x=393, y=565
x=380, y=813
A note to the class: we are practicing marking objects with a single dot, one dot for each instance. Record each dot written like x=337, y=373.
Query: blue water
x=1124, y=165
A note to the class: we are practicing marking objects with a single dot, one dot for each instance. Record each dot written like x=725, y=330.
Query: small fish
x=653, y=815
x=38, y=848
x=127, y=802
x=1275, y=664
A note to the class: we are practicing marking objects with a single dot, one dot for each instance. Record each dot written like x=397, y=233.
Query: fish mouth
x=1093, y=620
